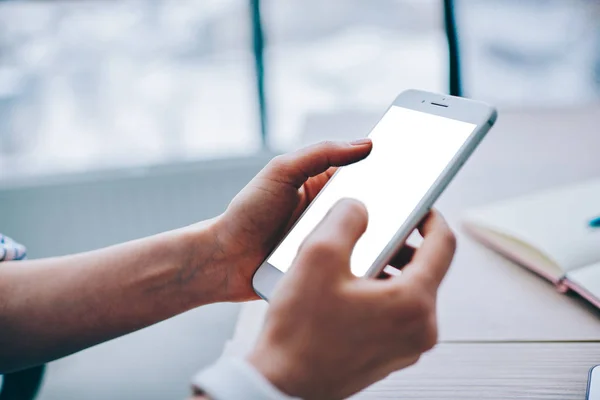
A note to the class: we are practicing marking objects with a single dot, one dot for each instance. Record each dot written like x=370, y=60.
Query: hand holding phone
x=418, y=147
x=329, y=334
x=269, y=205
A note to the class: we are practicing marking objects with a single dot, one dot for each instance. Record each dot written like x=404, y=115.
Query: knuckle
x=450, y=239
x=327, y=144
x=405, y=361
x=429, y=337
x=278, y=162
x=413, y=360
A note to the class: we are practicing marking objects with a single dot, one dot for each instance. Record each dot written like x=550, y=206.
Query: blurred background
x=95, y=84
x=119, y=119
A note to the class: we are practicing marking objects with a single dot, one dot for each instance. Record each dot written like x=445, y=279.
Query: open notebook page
x=552, y=222
x=519, y=251
x=587, y=278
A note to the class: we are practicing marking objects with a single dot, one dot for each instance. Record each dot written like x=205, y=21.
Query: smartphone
x=593, y=388
x=419, y=145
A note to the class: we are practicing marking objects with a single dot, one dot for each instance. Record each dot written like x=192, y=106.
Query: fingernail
x=360, y=142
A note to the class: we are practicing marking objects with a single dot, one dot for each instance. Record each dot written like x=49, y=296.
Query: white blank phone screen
x=410, y=151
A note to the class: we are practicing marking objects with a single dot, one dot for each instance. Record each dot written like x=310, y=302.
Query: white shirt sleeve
x=236, y=379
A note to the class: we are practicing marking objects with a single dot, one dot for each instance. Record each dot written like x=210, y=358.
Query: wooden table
x=504, y=333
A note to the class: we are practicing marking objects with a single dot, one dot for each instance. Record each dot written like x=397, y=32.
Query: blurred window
x=90, y=84
x=351, y=56
x=530, y=52
x=93, y=84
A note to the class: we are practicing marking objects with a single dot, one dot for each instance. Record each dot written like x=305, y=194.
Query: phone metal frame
x=591, y=374
x=480, y=114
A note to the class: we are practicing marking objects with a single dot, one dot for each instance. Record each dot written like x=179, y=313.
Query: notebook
x=548, y=233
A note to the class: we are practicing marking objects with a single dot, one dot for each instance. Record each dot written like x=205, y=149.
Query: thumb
x=295, y=168
x=329, y=247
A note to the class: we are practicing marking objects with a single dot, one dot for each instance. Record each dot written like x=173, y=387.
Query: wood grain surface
x=533, y=371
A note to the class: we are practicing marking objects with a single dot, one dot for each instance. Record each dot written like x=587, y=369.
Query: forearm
x=53, y=307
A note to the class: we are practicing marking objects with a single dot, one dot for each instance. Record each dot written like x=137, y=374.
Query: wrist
x=239, y=259
x=202, y=264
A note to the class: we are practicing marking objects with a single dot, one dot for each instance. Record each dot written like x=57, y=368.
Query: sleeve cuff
x=233, y=379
